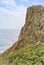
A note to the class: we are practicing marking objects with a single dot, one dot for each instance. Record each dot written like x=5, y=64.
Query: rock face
x=33, y=30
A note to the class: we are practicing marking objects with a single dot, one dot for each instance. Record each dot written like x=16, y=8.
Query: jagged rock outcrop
x=33, y=30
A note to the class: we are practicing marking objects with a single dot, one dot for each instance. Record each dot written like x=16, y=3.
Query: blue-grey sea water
x=7, y=38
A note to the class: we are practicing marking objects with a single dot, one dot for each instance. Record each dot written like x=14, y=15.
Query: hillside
x=29, y=49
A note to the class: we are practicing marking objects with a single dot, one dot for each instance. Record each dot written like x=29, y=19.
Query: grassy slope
x=29, y=55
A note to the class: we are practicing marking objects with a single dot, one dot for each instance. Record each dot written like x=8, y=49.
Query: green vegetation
x=29, y=55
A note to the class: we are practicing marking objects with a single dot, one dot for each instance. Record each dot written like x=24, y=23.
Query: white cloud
x=12, y=22
x=4, y=10
x=14, y=17
x=24, y=1
x=9, y=2
x=12, y=2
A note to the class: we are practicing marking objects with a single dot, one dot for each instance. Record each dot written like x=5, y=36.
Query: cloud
x=4, y=10
x=12, y=17
x=9, y=2
x=25, y=1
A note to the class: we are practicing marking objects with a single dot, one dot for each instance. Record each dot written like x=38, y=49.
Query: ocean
x=7, y=38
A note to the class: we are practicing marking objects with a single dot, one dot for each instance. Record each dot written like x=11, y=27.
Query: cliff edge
x=33, y=30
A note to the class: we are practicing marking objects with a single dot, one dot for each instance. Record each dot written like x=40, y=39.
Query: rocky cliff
x=33, y=30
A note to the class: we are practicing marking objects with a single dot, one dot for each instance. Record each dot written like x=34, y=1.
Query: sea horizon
x=7, y=38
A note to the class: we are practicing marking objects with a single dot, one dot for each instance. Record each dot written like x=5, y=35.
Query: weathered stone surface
x=33, y=30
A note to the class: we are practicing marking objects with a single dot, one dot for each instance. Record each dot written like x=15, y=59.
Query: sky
x=13, y=12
